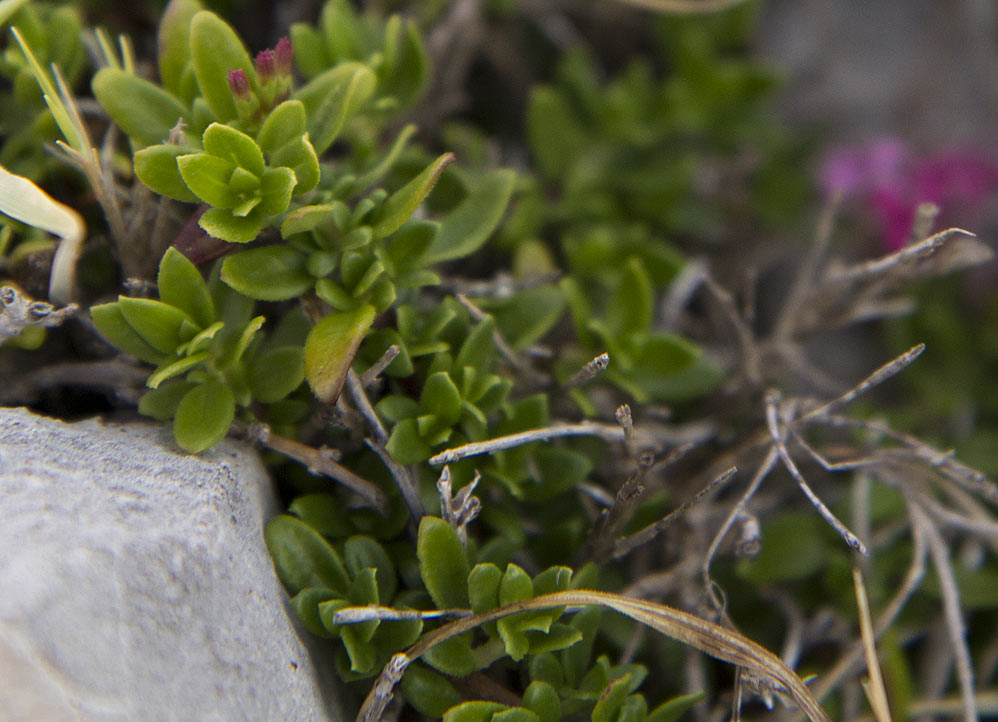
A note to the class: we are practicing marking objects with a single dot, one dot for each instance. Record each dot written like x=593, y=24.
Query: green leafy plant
x=206, y=347
x=481, y=358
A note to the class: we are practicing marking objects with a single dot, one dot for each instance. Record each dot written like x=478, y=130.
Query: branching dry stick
x=317, y=461
x=372, y=374
x=589, y=371
x=941, y=461
x=607, y=432
x=356, y=387
x=624, y=546
x=883, y=373
x=746, y=340
x=403, y=480
x=777, y=435
x=761, y=473
x=807, y=274
x=951, y=607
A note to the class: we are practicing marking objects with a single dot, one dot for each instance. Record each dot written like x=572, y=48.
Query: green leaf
x=208, y=178
x=362, y=552
x=309, y=52
x=222, y=224
x=156, y=166
x=631, y=307
x=555, y=137
x=176, y=368
x=557, y=638
x=610, y=701
x=306, y=605
x=402, y=203
x=113, y=326
x=558, y=470
x=276, y=372
x=515, y=714
x=342, y=30
x=478, y=350
x=406, y=64
x=483, y=587
x=543, y=699
x=287, y=122
x=443, y=564
x=672, y=710
x=515, y=586
x=303, y=558
x=159, y=324
x=406, y=445
x=276, y=187
x=669, y=368
x=441, y=399
x=528, y=315
x=453, y=657
x=467, y=227
x=332, y=97
x=204, y=416
x=224, y=141
x=144, y=111
x=429, y=692
x=323, y=512
x=215, y=50
x=330, y=348
x=161, y=403
x=306, y=218
x=174, y=50
x=299, y=156
x=474, y=711
x=271, y=273
x=181, y=285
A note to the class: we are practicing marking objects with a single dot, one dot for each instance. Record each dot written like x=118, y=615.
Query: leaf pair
x=206, y=350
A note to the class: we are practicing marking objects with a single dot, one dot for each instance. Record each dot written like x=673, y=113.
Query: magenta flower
x=890, y=180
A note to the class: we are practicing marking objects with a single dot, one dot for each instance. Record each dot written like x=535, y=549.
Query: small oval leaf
x=181, y=285
x=303, y=558
x=467, y=227
x=271, y=273
x=215, y=50
x=156, y=166
x=142, y=109
x=204, y=416
x=402, y=203
x=159, y=324
x=443, y=564
x=330, y=348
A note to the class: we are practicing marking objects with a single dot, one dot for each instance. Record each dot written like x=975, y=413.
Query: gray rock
x=135, y=583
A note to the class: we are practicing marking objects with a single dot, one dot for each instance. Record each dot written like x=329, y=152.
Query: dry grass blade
x=876, y=692
x=710, y=638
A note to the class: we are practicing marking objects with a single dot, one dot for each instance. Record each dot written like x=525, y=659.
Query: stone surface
x=135, y=583
x=921, y=70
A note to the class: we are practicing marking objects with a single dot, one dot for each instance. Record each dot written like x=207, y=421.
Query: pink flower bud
x=265, y=66
x=283, y=55
x=239, y=84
